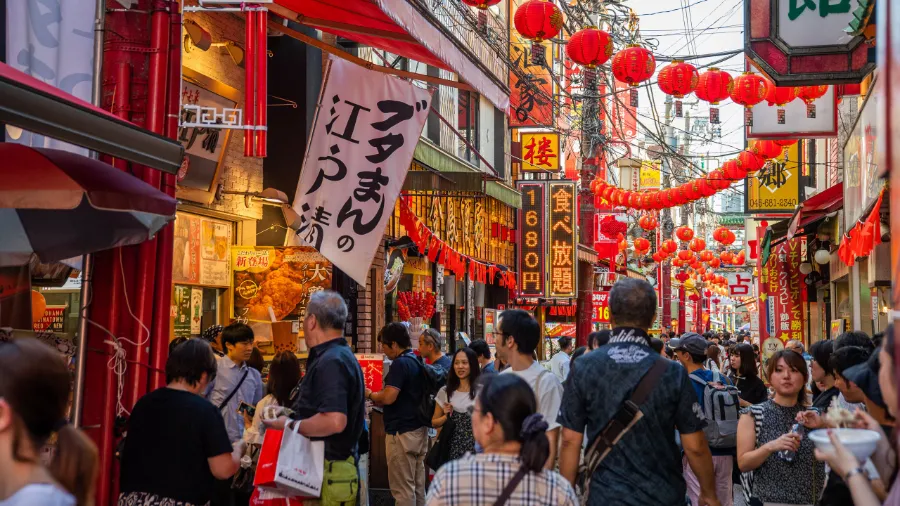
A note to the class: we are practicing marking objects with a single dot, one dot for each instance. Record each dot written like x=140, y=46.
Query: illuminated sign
x=540, y=151
x=531, y=239
x=561, y=233
x=600, y=303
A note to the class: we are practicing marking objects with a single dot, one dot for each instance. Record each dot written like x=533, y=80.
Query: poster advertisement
x=196, y=309
x=201, y=250
x=280, y=278
x=181, y=300
x=490, y=325
x=784, y=287
x=776, y=187
x=54, y=320
x=838, y=326
x=372, y=366
x=600, y=303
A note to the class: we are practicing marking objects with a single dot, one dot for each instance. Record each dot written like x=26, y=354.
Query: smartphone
x=246, y=408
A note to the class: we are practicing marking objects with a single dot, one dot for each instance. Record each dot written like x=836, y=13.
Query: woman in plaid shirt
x=511, y=469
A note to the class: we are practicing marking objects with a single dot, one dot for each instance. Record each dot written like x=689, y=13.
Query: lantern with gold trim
x=537, y=21
x=589, y=48
x=780, y=96
x=633, y=65
x=749, y=89
x=810, y=94
x=678, y=79
x=714, y=86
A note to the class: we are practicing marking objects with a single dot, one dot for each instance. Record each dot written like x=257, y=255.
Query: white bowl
x=861, y=442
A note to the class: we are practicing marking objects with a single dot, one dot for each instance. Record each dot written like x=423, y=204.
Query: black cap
x=865, y=376
x=690, y=342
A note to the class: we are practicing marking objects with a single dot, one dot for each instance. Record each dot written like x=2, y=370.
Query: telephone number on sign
x=773, y=203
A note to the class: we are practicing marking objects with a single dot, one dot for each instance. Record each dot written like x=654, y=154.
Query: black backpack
x=433, y=378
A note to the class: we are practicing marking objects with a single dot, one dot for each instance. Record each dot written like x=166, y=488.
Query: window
x=468, y=126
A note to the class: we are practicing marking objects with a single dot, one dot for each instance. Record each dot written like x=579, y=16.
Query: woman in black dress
x=745, y=376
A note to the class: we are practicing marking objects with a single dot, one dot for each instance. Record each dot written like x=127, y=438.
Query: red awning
x=816, y=208
x=398, y=27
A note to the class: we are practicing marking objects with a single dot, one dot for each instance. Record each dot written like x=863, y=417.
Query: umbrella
x=57, y=205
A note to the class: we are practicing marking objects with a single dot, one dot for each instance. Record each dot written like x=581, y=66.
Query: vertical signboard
x=783, y=290
x=531, y=95
x=531, y=239
x=600, y=301
x=776, y=187
x=561, y=231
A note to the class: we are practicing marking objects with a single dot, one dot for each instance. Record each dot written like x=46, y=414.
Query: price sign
x=562, y=225
x=600, y=303
x=373, y=370
x=531, y=239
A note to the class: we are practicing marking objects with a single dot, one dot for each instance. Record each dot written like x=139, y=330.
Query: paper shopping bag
x=266, y=497
x=301, y=465
x=267, y=463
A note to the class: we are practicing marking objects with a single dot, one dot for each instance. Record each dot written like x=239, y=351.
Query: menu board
x=277, y=278
x=201, y=250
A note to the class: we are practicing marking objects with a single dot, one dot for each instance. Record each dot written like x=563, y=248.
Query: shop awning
x=38, y=107
x=587, y=254
x=396, y=26
x=815, y=209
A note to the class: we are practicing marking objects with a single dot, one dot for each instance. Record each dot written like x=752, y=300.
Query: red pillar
x=682, y=311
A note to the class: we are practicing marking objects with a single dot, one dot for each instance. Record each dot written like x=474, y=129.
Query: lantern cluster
x=723, y=236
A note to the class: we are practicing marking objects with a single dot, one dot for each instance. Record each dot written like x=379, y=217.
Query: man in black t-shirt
x=330, y=404
x=406, y=440
x=644, y=467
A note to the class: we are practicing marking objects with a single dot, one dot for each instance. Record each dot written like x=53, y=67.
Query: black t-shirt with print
x=171, y=434
x=644, y=468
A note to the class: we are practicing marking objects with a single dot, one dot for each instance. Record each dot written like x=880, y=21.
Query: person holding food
x=771, y=444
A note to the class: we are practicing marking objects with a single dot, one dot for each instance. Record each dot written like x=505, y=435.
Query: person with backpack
x=720, y=402
x=404, y=397
x=520, y=337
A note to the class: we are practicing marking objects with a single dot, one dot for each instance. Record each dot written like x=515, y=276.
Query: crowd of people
x=628, y=419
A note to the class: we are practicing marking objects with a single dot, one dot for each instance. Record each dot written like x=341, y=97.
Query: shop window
x=433, y=123
x=468, y=126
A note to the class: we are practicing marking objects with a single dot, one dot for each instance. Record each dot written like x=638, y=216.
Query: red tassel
x=434, y=248
x=444, y=254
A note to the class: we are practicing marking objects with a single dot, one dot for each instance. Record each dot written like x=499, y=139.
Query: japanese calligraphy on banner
x=362, y=142
x=532, y=218
x=562, y=225
x=372, y=366
x=280, y=278
x=53, y=42
x=540, y=151
x=530, y=98
x=650, y=170
x=740, y=283
x=783, y=287
x=600, y=302
x=776, y=187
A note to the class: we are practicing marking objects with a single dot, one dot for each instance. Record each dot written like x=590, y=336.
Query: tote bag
x=291, y=463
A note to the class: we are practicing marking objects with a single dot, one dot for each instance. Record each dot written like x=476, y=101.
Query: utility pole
x=666, y=227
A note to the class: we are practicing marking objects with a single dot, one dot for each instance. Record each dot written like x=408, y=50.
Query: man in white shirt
x=559, y=364
x=520, y=335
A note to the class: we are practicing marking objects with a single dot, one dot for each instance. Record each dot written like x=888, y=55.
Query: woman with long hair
x=284, y=375
x=511, y=469
x=713, y=362
x=457, y=400
x=784, y=468
x=745, y=376
x=34, y=395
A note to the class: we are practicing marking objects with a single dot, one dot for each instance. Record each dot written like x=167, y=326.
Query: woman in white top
x=284, y=375
x=457, y=400
x=34, y=394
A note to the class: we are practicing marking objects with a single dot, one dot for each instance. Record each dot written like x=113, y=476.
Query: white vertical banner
x=364, y=134
x=53, y=41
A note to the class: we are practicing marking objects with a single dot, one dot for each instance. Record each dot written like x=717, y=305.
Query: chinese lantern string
x=439, y=251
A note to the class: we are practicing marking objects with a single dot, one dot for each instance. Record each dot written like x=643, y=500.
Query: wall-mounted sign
x=650, y=170
x=201, y=250
x=740, y=283
x=803, y=42
x=783, y=287
x=540, y=151
x=531, y=238
x=776, y=187
x=561, y=238
x=600, y=302
x=862, y=182
x=797, y=122
x=530, y=97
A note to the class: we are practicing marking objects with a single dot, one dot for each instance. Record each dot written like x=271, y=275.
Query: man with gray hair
x=330, y=403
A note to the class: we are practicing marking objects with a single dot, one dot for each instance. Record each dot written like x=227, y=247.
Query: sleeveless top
x=779, y=481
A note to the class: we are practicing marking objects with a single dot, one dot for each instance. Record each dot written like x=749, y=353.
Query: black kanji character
x=401, y=112
x=370, y=184
x=359, y=227
x=337, y=176
x=393, y=142
x=347, y=134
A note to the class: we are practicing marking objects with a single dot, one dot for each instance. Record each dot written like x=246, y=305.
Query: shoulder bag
x=236, y=388
x=511, y=487
x=618, y=426
x=439, y=453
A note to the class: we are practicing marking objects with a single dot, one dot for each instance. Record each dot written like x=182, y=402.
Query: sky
x=705, y=26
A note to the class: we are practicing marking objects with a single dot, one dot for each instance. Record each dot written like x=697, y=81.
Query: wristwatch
x=853, y=472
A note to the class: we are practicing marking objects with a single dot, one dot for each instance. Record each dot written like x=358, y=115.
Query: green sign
x=181, y=301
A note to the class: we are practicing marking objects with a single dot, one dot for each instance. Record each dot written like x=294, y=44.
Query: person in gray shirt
x=235, y=381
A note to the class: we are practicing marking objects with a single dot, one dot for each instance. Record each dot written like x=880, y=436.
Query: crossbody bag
x=618, y=426
x=236, y=388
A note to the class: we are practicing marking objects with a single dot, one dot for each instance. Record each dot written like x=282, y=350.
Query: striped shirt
x=478, y=480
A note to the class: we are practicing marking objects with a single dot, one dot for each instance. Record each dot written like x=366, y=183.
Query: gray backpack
x=721, y=406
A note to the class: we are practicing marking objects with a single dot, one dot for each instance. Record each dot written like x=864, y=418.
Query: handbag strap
x=238, y=386
x=511, y=486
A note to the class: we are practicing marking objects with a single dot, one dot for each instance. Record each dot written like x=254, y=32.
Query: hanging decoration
x=589, y=48
x=810, y=94
x=714, y=86
x=669, y=246
x=750, y=162
x=678, y=79
x=862, y=238
x=766, y=149
x=726, y=257
x=440, y=252
x=697, y=245
x=482, y=6
x=749, y=89
x=780, y=96
x=641, y=246
x=631, y=66
x=684, y=233
x=723, y=236
x=537, y=21
x=685, y=255
x=648, y=222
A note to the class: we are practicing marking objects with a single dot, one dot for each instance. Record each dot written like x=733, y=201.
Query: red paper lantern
x=785, y=142
x=657, y=257
x=678, y=79
x=677, y=262
x=481, y=4
x=780, y=95
x=701, y=270
x=647, y=222
x=732, y=171
x=810, y=94
x=669, y=246
x=715, y=263
x=749, y=89
x=726, y=257
x=641, y=244
x=706, y=255
x=717, y=180
x=684, y=233
x=723, y=236
x=685, y=255
x=750, y=161
x=706, y=189
x=738, y=260
x=697, y=245
x=714, y=86
x=766, y=149
x=589, y=47
x=538, y=20
x=691, y=190
x=721, y=279
x=633, y=65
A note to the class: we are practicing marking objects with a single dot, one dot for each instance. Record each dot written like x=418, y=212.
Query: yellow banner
x=540, y=151
x=650, y=174
x=776, y=187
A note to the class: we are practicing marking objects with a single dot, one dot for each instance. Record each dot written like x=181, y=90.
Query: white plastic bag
x=301, y=464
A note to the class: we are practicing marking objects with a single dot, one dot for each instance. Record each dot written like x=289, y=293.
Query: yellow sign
x=540, y=151
x=650, y=174
x=776, y=187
